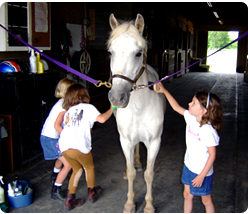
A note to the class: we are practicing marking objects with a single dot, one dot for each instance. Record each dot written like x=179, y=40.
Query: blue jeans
x=205, y=188
x=50, y=148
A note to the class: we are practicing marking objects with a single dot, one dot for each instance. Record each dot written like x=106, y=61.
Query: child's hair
x=75, y=94
x=62, y=87
x=213, y=106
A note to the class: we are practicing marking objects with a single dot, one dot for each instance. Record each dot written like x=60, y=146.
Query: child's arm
x=174, y=104
x=58, y=121
x=197, y=182
x=102, y=118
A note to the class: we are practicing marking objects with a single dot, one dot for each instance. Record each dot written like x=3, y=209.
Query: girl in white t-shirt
x=75, y=141
x=203, y=120
x=49, y=142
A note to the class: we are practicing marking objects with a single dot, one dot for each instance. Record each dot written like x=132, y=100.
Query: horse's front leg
x=152, y=151
x=128, y=150
x=137, y=163
x=131, y=174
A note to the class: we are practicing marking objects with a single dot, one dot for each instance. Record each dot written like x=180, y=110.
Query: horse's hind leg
x=152, y=152
x=137, y=163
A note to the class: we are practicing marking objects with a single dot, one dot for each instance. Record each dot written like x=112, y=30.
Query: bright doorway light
x=224, y=61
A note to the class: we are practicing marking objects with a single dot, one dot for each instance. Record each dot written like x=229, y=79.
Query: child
x=49, y=141
x=203, y=120
x=75, y=141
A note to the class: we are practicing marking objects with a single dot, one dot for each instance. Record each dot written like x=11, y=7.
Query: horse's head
x=127, y=48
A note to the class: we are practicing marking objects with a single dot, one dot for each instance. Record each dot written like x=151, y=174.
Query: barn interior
x=177, y=36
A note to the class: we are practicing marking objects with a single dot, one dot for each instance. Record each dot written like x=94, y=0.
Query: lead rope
x=83, y=76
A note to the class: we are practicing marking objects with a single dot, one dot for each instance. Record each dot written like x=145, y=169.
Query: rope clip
x=100, y=83
x=137, y=87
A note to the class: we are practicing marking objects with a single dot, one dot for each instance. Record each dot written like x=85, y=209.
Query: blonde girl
x=49, y=142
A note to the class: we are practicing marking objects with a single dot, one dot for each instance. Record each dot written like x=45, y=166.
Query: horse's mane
x=124, y=27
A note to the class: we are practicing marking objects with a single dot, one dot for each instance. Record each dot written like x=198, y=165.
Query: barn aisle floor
x=230, y=182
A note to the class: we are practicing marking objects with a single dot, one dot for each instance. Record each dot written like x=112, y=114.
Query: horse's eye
x=109, y=53
x=138, y=54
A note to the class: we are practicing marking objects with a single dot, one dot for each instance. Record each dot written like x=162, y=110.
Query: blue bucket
x=24, y=200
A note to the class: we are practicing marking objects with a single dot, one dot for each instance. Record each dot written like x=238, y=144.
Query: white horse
x=140, y=113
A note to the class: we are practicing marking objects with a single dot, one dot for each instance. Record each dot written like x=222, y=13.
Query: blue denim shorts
x=50, y=148
x=206, y=187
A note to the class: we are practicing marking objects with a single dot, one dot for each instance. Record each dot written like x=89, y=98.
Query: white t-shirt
x=198, y=139
x=78, y=121
x=48, y=129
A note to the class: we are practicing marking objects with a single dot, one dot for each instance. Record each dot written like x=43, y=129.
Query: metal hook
x=137, y=87
x=100, y=83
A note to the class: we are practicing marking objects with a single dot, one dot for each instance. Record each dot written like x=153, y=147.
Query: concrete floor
x=230, y=181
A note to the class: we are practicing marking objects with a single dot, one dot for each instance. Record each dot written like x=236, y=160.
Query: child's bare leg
x=64, y=171
x=58, y=164
x=208, y=203
x=56, y=169
x=188, y=199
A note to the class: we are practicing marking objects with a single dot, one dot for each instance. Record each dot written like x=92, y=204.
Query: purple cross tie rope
x=95, y=82
x=55, y=61
x=240, y=37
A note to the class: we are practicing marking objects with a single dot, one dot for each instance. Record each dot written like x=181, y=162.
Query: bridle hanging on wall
x=81, y=60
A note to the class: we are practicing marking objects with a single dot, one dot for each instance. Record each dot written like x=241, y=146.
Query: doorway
x=224, y=61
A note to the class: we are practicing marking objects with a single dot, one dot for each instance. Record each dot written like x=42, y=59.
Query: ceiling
x=231, y=13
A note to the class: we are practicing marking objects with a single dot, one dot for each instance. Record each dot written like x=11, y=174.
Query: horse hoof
x=149, y=210
x=129, y=209
x=138, y=168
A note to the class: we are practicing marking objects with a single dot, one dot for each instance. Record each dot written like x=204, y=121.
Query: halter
x=133, y=82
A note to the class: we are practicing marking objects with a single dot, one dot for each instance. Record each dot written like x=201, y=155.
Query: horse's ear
x=113, y=22
x=139, y=23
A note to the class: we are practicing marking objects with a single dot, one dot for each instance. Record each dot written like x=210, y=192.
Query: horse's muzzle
x=119, y=100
